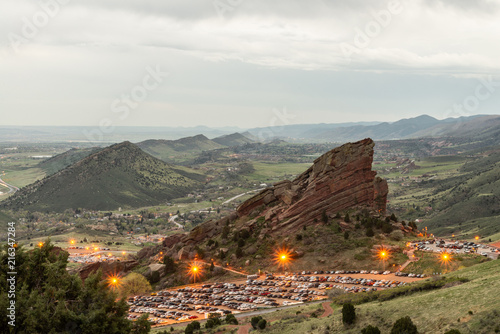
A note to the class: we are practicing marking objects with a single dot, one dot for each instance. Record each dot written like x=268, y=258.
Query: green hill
x=468, y=204
x=63, y=160
x=178, y=150
x=471, y=307
x=121, y=175
x=235, y=139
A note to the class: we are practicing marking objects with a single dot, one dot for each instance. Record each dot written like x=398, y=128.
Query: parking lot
x=265, y=291
x=456, y=247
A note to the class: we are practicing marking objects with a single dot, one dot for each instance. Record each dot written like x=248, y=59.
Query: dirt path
x=411, y=259
x=328, y=309
x=244, y=329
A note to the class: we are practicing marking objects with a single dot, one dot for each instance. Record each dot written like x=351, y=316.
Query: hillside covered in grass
x=121, y=175
x=468, y=203
x=468, y=302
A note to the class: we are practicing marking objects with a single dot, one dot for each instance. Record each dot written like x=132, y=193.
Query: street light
x=114, y=281
x=282, y=257
x=477, y=237
x=194, y=271
x=445, y=258
x=72, y=241
x=40, y=244
x=383, y=254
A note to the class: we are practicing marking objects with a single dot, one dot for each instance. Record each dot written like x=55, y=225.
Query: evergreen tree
x=50, y=300
x=370, y=330
x=348, y=314
x=404, y=325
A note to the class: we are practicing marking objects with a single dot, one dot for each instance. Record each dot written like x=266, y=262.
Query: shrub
x=255, y=321
x=397, y=235
x=348, y=314
x=404, y=325
x=347, y=219
x=262, y=324
x=231, y=319
x=241, y=243
x=453, y=331
x=369, y=232
x=370, y=330
x=346, y=235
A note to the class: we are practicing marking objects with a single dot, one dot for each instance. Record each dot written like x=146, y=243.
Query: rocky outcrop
x=108, y=268
x=340, y=179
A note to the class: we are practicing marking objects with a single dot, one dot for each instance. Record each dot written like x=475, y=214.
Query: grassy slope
x=178, y=150
x=63, y=160
x=433, y=311
x=119, y=176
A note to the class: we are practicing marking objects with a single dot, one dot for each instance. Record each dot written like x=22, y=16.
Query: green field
x=274, y=172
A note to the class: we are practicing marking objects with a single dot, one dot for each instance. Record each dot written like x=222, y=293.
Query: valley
x=230, y=205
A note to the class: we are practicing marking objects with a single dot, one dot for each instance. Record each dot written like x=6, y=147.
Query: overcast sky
x=246, y=63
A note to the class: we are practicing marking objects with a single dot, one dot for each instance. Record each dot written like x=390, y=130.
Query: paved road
x=12, y=189
x=172, y=220
x=238, y=196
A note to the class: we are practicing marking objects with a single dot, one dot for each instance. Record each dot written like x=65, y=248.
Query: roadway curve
x=12, y=189
x=172, y=220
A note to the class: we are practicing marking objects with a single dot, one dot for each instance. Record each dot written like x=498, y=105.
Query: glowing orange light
x=96, y=248
x=113, y=281
x=72, y=241
x=477, y=237
x=40, y=244
x=445, y=258
x=86, y=248
x=282, y=257
x=123, y=253
x=109, y=254
x=383, y=254
x=194, y=271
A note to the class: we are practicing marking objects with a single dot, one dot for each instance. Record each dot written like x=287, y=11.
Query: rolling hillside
x=121, y=175
x=177, y=150
x=234, y=139
x=63, y=160
x=468, y=204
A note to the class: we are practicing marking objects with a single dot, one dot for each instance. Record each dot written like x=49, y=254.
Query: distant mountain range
x=121, y=175
x=421, y=126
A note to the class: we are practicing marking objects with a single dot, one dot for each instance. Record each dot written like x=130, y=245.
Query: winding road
x=172, y=220
x=12, y=189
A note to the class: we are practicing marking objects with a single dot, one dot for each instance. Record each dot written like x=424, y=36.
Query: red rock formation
x=107, y=268
x=340, y=179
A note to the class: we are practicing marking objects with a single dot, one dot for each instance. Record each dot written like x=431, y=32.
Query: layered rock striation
x=338, y=180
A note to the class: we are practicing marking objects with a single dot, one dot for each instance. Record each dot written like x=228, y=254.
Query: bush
x=241, y=243
x=346, y=235
x=370, y=330
x=348, y=314
x=397, y=235
x=404, y=325
x=141, y=325
x=255, y=321
x=213, y=322
x=262, y=324
x=453, y=331
x=231, y=319
x=169, y=264
x=239, y=252
x=347, y=219
x=369, y=232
